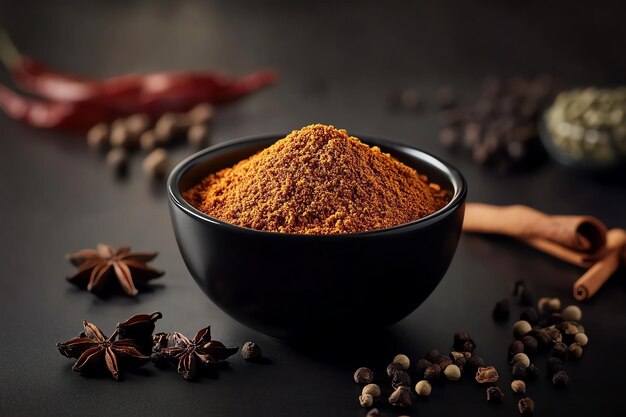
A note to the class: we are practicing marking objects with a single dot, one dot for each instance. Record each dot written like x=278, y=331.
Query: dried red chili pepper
x=79, y=103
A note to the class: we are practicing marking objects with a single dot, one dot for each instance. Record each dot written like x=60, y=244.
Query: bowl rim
x=453, y=174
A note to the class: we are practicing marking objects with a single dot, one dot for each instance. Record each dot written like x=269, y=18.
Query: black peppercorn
x=532, y=372
x=401, y=397
x=543, y=339
x=494, y=395
x=559, y=350
x=530, y=344
x=432, y=373
x=526, y=298
x=432, y=355
x=374, y=413
x=526, y=406
x=476, y=362
x=560, y=379
x=443, y=362
x=458, y=358
x=555, y=318
x=422, y=364
x=392, y=368
x=575, y=351
x=554, y=365
x=519, y=370
x=554, y=334
x=400, y=379
x=501, y=310
x=460, y=338
x=362, y=375
x=252, y=352
x=516, y=347
x=469, y=346
x=530, y=314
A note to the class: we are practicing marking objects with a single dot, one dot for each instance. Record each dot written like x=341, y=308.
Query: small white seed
x=156, y=163
x=366, y=400
x=402, y=360
x=518, y=386
x=581, y=339
x=423, y=388
x=572, y=313
x=452, y=372
x=521, y=328
x=521, y=358
x=371, y=389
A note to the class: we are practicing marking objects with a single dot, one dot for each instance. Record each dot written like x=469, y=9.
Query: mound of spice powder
x=317, y=180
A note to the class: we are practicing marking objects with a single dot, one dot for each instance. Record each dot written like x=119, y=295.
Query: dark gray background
x=337, y=63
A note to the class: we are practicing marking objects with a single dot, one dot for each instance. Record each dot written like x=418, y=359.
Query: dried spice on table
x=192, y=356
x=98, y=267
x=95, y=352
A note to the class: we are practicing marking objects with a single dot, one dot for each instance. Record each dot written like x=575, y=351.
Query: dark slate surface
x=337, y=61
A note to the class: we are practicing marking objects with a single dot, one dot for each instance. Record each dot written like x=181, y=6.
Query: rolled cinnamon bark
x=582, y=234
x=592, y=280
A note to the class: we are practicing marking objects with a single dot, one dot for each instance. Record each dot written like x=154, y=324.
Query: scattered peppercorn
x=555, y=318
x=392, y=368
x=501, y=311
x=423, y=388
x=374, y=413
x=521, y=358
x=476, y=362
x=422, y=364
x=371, y=389
x=581, y=339
x=530, y=344
x=156, y=164
x=487, y=375
x=554, y=334
x=572, y=313
x=463, y=342
x=400, y=379
x=519, y=370
x=444, y=362
x=452, y=372
x=517, y=346
x=403, y=361
x=559, y=350
x=526, y=406
x=252, y=352
x=494, y=395
x=432, y=355
x=366, y=400
x=521, y=328
x=530, y=314
x=554, y=365
x=518, y=386
x=401, y=397
x=432, y=372
x=560, y=379
x=361, y=376
x=575, y=350
x=459, y=359
x=117, y=158
x=548, y=305
x=532, y=372
x=543, y=339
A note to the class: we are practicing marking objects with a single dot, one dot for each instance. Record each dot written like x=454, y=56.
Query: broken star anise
x=98, y=266
x=190, y=356
x=95, y=352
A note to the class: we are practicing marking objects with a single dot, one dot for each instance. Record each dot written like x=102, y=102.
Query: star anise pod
x=95, y=352
x=190, y=356
x=139, y=328
x=98, y=266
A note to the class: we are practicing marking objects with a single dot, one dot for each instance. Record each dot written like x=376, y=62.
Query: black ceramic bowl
x=298, y=286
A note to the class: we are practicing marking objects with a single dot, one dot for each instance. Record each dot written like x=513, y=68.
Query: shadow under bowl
x=294, y=287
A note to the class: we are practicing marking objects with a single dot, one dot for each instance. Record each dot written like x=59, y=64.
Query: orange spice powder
x=317, y=180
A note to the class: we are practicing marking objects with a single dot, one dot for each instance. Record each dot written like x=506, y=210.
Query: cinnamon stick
x=581, y=234
x=592, y=280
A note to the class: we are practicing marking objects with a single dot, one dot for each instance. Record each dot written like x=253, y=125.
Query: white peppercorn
x=518, y=386
x=548, y=305
x=521, y=328
x=572, y=313
x=575, y=350
x=423, y=388
x=98, y=137
x=521, y=358
x=581, y=339
x=402, y=360
x=366, y=400
x=371, y=389
x=156, y=164
x=452, y=372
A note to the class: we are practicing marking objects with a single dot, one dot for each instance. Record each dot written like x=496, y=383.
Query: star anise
x=95, y=352
x=190, y=356
x=96, y=267
x=139, y=329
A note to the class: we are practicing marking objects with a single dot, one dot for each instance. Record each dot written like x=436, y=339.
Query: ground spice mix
x=318, y=180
